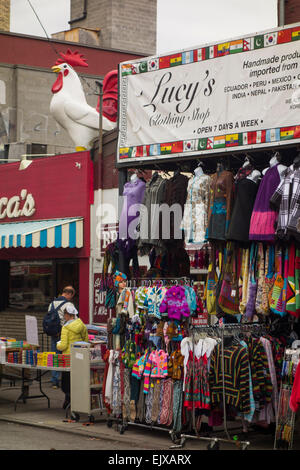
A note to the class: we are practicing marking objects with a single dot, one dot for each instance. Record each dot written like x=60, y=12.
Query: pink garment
x=175, y=303
x=295, y=395
x=159, y=361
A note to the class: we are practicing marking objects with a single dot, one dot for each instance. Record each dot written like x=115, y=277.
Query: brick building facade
x=124, y=24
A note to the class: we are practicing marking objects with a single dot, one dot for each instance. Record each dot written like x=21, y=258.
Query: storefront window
x=30, y=285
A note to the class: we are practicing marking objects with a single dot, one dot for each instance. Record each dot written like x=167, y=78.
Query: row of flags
x=208, y=143
x=210, y=52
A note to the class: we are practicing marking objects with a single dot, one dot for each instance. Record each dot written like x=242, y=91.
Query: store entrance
x=67, y=273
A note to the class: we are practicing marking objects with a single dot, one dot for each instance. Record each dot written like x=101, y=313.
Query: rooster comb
x=72, y=58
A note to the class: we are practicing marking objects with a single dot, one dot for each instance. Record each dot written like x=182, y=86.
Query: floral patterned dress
x=194, y=222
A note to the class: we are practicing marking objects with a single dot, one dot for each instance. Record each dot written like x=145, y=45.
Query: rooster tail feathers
x=110, y=96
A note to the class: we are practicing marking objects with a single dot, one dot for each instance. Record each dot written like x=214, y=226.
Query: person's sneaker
x=55, y=386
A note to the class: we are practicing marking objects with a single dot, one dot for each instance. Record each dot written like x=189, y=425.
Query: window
x=30, y=285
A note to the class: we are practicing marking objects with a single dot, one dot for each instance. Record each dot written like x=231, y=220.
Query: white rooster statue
x=70, y=108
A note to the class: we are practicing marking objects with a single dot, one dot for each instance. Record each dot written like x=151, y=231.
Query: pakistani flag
x=258, y=42
x=143, y=67
x=202, y=143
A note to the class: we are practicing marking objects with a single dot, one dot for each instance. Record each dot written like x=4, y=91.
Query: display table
x=39, y=373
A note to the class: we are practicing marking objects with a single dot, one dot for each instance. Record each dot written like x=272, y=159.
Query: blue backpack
x=51, y=321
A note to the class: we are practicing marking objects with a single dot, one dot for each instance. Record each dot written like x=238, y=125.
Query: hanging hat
x=118, y=277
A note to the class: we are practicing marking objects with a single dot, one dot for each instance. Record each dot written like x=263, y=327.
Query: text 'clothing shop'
x=209, y=147
x=45, y=232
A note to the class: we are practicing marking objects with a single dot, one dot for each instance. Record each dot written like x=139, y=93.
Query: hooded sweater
x=175, y=304
x=72, y=331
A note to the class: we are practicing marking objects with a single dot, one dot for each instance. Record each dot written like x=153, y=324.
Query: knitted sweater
x=153, y=300
x=175, y=304
x=156, y=367
x=236, y=366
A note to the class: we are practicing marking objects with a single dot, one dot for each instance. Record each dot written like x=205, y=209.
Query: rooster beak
x=55, y=68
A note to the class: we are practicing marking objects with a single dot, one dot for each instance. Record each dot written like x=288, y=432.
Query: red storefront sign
x=60, y=186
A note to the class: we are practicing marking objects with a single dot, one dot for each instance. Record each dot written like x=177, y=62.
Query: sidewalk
x=35, y=412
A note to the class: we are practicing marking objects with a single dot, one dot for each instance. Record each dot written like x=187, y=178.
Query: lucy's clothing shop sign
x=243, y=93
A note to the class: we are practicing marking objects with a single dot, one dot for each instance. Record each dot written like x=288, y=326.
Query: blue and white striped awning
x=54, y=233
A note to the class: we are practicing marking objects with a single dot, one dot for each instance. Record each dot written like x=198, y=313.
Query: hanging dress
x=220, y=205
x=197, y=394
x=245, y=194
x=194, y=222
x=263, y=219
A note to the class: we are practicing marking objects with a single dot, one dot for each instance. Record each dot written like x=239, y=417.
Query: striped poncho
x=236, y=375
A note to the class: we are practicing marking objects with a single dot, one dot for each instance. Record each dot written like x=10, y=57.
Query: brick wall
x=292, y=11
x=125, y=24
x=4, y=15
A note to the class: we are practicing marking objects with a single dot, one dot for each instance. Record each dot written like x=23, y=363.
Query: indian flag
x=219, y=142
x=126, y=69
x=287, y=133
x=232, y=140
x=236, y=46
x=175, y=60
x=296, y=33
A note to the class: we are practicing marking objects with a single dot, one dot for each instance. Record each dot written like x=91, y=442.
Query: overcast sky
x=180, y=23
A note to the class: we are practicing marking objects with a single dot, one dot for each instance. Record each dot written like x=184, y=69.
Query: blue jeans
x=55, y=375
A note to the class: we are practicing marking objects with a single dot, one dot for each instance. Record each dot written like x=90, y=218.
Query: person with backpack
x=72, y=331
x=53, y=322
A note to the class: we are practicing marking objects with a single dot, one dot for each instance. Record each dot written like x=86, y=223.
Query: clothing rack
x=220, y=331
x=147, y=282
